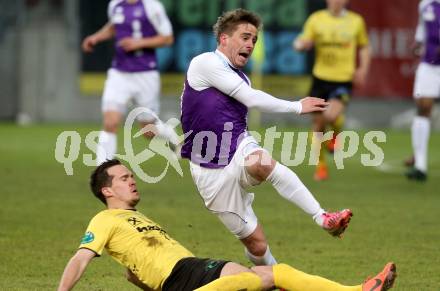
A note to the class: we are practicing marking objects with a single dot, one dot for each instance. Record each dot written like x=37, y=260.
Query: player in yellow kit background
x=336, y=34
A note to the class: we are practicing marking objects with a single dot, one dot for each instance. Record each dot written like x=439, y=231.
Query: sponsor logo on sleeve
x=88, y=237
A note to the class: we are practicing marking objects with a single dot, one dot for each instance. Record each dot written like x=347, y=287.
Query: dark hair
x=100, y=178
x=228, y=21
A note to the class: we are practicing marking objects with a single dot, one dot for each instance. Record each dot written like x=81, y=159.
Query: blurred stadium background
x=47, y=78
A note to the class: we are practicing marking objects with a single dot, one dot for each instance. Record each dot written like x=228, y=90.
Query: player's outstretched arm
x=264, y=102
x=75, y=268
x=105, y=33
x=129, y=44
x=313, y=104
x=207, y=71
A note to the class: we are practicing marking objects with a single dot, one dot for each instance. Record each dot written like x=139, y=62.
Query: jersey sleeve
x=209, y=70
x=420, y=30
x=158, y=17
x=362, y=37
x=97, y=234
x=110, y=7
x=309, y=28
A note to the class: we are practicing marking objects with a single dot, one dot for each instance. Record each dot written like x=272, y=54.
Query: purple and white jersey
x=428, y=30
x=142, y=18
x=214, y=122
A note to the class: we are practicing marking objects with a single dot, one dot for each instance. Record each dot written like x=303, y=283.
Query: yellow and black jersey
x=136, y=242
x=336, y=39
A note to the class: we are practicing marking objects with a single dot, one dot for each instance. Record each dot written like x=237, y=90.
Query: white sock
x=106, y=150
x=291, y=188
x=166, y=132
x=265, y=260
x=420, y=136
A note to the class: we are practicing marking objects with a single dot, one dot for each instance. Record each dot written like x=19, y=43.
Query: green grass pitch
x=44, y=213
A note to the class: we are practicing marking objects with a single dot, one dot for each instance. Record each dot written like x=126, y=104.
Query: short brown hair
x=228, y=21
x=100, y=178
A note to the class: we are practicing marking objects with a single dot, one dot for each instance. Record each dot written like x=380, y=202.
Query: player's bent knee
x=111, y=127
x=261, y=168
x=265, y=170
x=111, y=121
x=232, y=268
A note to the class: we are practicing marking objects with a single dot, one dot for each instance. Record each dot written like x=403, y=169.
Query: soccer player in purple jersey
x=139, y=27
x=224, y=158
x=426, y=85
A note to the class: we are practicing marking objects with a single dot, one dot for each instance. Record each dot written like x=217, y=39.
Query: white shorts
x=427, y=81
x=142, y=88
x=224, y=190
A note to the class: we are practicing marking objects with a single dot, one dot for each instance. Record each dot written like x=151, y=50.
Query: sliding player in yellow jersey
x=336, y=34
x=155, y=261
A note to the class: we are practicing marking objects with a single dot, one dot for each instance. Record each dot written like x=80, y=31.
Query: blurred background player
x=225, y=159
x=155, y=261
x=426, y=85
x=139, y=27
x=336, y=33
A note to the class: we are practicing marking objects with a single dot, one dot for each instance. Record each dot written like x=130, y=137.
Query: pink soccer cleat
x=335, y=223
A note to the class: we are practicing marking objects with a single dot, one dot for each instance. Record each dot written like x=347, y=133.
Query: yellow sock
x=291, y=279
x=339, y=123
x=243, y=281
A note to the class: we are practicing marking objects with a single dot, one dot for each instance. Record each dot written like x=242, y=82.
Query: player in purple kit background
x=426, y=85
x=225, y=159
x=138, y=27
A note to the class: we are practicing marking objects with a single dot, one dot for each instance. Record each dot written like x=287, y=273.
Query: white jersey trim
x=158, y=17
x=420, y=35
x=111, y=6
x=155, y=12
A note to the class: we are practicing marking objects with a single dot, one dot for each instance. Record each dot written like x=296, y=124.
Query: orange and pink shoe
x=382, y=281
x=335, y=223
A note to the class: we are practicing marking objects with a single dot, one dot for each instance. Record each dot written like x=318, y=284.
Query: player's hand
x=129, y=44
x=302, y=44
x=89, y=43
x=313, y=104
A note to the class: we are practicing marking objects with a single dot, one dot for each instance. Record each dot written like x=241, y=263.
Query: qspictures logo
x=205, y=145
x=68, y=146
